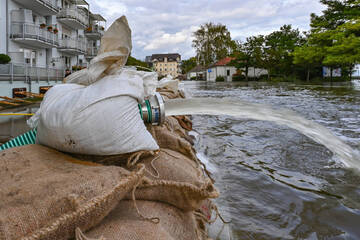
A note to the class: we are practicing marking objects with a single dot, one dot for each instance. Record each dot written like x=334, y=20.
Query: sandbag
x=124, y=223
x=100, y=119
x=45, y=194
x=174, y=179
x=168, y=137
x=184, y=196
x=96, y=111
x=114, y=50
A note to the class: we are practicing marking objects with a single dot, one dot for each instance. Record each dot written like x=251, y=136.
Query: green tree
x=279, y=46
x=345, y=49
x=188, y=64
x=336, y=34
x=308, y=57
x=248, y=54
x=131, y=61
x=337, y=12
x=212, y=42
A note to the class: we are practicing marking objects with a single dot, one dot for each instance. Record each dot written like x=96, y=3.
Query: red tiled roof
x=224, y=61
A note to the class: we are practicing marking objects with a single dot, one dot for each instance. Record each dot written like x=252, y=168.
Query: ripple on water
x=276, y=183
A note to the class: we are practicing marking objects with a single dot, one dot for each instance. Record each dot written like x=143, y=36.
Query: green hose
x=24, y=139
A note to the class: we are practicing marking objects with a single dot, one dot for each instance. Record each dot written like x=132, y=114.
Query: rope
x=155, y=220
x=134, y=158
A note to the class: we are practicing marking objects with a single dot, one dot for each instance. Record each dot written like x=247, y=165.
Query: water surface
x=276, y=183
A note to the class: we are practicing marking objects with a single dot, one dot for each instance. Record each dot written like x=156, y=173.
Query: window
x=165, y=69
x=160, y=69
x=227, y=72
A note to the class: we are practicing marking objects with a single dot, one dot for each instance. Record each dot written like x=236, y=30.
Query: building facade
x=223, y=69
x=43, y=39
x=166, y=64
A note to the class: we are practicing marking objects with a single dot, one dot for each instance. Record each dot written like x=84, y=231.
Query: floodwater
x=275, y=182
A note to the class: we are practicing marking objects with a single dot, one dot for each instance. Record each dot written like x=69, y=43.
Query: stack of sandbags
x=45, y=194
x=175, y=190
x=155, y=188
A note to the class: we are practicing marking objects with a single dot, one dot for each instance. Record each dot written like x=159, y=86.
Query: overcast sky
x=160, y=26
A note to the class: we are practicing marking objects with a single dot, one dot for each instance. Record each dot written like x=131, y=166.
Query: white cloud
x=160, y=26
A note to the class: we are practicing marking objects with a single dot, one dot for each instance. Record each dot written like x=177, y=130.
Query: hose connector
x=153, y=110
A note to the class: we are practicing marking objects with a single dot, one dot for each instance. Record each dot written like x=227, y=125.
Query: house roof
x=222, y=62
x=198, y=68
x=170, y=57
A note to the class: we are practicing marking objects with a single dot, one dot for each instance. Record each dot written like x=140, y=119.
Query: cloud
x=160, y=26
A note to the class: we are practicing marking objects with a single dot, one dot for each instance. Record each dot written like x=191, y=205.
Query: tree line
x=333, y=41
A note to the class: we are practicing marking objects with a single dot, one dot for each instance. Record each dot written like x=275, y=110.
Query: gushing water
x=243, y=109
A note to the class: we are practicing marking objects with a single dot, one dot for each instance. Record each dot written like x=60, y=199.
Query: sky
x=160, y=26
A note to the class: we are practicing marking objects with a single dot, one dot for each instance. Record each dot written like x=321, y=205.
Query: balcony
x=94, y=32
x=73, y=46
x=73, y=18
x=91, y=52
x=43, y=7
x=17, y=71
x=33, y=35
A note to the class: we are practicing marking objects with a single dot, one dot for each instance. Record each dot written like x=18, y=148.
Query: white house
x=222, y=68
x=197, y=73
x=43, y=38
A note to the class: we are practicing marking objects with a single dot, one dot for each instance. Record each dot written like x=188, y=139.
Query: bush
x=4, y=59
x=220, y=79
x=193, y=78
x=238, y=77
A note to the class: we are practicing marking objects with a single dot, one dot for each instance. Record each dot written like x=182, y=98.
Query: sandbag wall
x=162, y=194
x=175, y=189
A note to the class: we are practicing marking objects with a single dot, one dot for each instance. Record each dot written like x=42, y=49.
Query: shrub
x=220, y=79
x=238, y=77
x=4, y=59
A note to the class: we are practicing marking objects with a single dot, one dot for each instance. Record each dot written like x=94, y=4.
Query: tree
x=131, y=61
x=188, y=64
x=248, y=54
x=308, y=57
x=345, y=49
x=337, y=13
x=336, y=34
x=279, y=46
x=212, y=42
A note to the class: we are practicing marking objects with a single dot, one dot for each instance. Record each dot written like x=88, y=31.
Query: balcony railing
x=13, y=71
x=50, y=3
x=77, y=45
x=44, y=7
x=73, y=14
x=95, y=29
x=28, y=31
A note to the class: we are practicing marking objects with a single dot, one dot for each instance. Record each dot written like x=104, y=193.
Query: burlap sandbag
x=45, y=194
x=125, y=223
x=173, y=178
x=167, y=137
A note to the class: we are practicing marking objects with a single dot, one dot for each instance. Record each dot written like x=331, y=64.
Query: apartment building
x=43, y=39
x=166, y=64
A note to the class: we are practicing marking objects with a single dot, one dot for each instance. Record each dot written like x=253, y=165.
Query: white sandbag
x=169, y=82
x=114, y=51
x=100, y=119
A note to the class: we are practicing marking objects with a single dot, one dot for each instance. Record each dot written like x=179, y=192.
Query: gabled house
x=221, y=68
x=197, y=73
